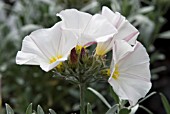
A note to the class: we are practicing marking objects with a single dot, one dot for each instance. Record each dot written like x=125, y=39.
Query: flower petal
x=115, y=18
x=48, y=40
x=117, y=88
x=30, y=53
x=126, y=31
x=74, y=19
x=138, y=57
x=141, y=71
x=134, y=109
x=68, y=41
x=47, y=67
x=43, y=44
x=120, y=49
x=26, y=58
x=87, y=27
x=40, y=44
x=104, y=47
x=133, y=81
x=98, y=29
x=130, y=88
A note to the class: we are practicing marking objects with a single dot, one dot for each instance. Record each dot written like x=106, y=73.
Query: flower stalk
x=82, y=87
x=0, y=94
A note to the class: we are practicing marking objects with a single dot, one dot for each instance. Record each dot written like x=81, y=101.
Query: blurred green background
x=22, y=85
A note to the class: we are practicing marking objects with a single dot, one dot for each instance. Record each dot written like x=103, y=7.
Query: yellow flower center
x=53, y=59
x=78, y=49
x=105, y=72
x=60, y=67
x=116, y=73
x=100, y=51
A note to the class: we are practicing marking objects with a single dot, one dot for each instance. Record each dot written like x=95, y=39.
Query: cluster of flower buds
x=81, y=67
x=65, y=49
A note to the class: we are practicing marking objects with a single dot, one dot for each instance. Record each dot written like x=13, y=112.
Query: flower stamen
x=105, y=72
x=79, y=48
x=60, y=67
x=53, y=59
x=116, y=73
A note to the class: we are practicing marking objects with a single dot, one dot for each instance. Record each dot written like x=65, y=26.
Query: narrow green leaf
x=153, y=93
x=113, y=109
x=100, y=96
x=124, y=111
x=114, y=95
x=9, y=109
x=165, y=35
x=40, y=110
x=29, y=109
x=147, y=110
x=146, y=9
x=52, y=111
x=89, y=109
x=165, y=103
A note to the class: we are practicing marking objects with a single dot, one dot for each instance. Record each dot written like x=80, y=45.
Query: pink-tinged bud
x=83, y=52
x=73, y=56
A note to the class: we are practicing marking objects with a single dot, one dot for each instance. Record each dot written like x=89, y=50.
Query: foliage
x=165, y=103
x=29, y=110
x=112, y=109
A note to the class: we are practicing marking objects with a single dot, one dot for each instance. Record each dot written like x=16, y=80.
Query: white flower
x=134, y=109
x=87, y=27
x=46, y=47
x=129, y=73
x=126, y=31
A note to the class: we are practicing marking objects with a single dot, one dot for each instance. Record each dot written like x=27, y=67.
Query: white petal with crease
x=133, y=81
x=41, y=45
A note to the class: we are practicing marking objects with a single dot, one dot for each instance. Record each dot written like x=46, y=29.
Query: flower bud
x=83, y=52
x=73, y=56
x=60, y=67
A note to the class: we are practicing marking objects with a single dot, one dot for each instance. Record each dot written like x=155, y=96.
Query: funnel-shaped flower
x=87, y=27
x=46, y=47
x=134, y=109
x=125, y=31
x=129, y=73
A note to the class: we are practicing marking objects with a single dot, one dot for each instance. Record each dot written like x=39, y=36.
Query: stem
x=147, y=110
x=82, y=97
x=0, y=94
